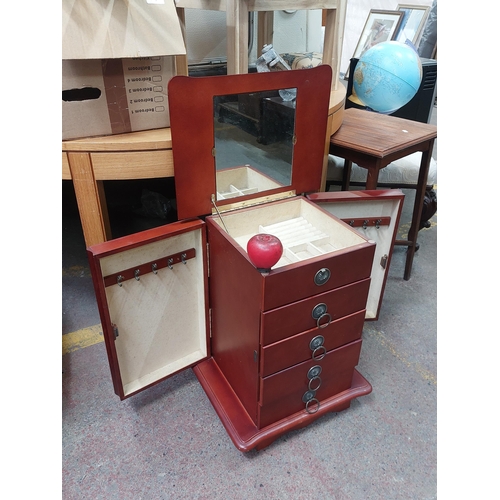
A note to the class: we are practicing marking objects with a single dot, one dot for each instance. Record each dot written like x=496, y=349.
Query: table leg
x=417, y=209
x=104, y=209
x=88, y=198
x=346, y=175
x=372, y=178
x=237, y=36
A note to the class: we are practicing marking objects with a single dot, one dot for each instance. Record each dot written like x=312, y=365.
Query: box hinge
x=383, y=261
x=115, y=330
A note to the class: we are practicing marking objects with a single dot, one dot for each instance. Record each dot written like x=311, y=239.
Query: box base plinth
x=238, y=424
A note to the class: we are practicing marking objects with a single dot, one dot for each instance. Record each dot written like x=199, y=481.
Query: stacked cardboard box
x=118, y=58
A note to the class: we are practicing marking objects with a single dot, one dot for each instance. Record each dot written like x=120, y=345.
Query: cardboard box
x=115, y=96
x=118, y=58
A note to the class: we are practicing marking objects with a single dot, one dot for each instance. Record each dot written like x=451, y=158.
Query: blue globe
x=387, y=76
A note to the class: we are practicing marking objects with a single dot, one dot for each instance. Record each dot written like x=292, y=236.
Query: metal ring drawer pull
x=315, y=409
x=322, y=276
x=319, y=353
x=314, y=372
x=308, y=395
x=315, y=379
x=317, y=347
x=324, y=325
x=316, y=342
x=319, y=310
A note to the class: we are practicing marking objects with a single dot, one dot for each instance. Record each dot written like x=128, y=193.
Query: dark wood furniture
x=274, y=351
x=373, y=140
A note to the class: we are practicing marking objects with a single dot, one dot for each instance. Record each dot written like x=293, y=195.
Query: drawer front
x=297, y=389
x=319, y=310
x=133, y=165
x=305, y=279
x=312, y=344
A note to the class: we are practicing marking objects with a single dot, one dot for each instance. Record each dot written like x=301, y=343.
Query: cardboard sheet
x=106, y=29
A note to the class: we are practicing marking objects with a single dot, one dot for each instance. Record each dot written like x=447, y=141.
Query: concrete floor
x=168, y=443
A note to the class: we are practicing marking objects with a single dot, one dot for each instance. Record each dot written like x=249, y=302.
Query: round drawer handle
x=319, y=353
x=319, y=310
x=308, y=395
x=315, y=408
x=322, y=276
x=314, y=372
x=324, y=325
x=316, y=342
x=315, y=380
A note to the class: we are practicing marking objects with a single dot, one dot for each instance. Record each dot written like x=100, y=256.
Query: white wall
x=357, y=13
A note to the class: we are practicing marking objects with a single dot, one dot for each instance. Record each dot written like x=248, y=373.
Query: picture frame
x=380, y=26
x=413, y=23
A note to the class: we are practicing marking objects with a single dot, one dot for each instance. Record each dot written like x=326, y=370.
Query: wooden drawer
x=300, y=316
x=133, y=165
x=296, y=283
x=320, y=252
x=282, y=394
x=299, y=348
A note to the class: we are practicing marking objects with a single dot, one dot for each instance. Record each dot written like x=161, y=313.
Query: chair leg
x=429, y=208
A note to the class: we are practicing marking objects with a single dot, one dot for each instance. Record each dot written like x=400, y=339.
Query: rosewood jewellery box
x=276, y=350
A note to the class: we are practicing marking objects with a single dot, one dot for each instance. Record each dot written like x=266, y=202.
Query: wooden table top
x=380, y=135
x=134, y=141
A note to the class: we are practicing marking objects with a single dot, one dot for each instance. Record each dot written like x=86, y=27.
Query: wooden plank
x=260, y=5
x=181, y=62
x=202, y=4
x=237, y=36
x=265, y=26
x=263, y=5
x=66, y=172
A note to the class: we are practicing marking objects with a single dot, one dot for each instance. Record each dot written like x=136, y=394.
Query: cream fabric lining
x=402, y=171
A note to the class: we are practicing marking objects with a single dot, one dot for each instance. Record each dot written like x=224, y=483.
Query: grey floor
x=168, y=443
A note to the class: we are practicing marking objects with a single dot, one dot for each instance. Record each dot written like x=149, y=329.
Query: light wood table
x=89, y=162
x=136, y=155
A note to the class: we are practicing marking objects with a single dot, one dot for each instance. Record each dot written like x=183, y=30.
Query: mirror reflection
x=253, y=136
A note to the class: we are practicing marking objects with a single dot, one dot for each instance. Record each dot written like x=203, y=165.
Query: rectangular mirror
x=234, y=134
x=254, y=135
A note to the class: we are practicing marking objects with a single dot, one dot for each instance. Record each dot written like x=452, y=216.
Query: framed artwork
x=412, y=23
x=380, y=26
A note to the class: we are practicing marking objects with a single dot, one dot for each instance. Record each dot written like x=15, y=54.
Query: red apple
x=264, y=250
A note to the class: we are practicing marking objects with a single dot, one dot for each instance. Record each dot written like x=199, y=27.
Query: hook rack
x=365, y=222
x=149, y=267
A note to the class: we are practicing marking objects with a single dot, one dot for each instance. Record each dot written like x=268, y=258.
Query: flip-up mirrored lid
x=238, y=138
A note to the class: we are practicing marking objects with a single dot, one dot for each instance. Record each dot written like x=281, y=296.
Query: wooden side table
x=372, y=141
x=89, y=162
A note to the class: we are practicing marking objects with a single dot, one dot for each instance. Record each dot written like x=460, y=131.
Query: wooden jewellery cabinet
x=273, y=350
